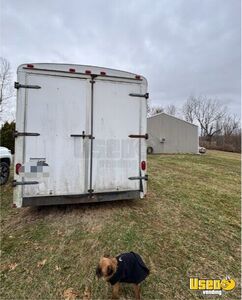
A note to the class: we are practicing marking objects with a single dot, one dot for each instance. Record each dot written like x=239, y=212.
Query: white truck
x=5, y=163
x=80, y=135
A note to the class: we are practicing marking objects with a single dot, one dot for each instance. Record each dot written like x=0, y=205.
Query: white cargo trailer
x=80, y=135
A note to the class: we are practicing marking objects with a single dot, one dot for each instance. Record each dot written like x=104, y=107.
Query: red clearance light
x=88, y=72
x=30, y=66
x=102, y=73
x=72, y=70
x=137, y=77
x=17, y=168
x=143, y=165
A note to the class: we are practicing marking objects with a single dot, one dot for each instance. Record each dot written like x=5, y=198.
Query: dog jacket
x=130, y=269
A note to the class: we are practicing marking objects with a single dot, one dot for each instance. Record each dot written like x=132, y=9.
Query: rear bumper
x=82, y=198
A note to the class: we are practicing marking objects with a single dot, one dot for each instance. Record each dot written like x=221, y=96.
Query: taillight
x=17, y=168
x=72, y=70
x=102, y=73
x=143, y=165
x=30, y=66
x=88, y=72
x=137, y=77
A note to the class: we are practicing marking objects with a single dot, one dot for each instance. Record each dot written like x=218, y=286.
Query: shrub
x=6, y=136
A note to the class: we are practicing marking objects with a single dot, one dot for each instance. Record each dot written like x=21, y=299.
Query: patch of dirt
x=70, y=294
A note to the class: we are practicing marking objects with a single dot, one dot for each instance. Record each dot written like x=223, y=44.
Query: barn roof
x=162, y=113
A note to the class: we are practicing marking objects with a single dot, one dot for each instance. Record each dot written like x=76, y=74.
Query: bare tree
x=230, y=125
x=189, y=108
x=171, y=110
x=153, y=110
x=6, y=89
x=229, y=137
x=209, y=113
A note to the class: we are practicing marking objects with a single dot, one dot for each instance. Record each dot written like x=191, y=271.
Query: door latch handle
x=83, y=135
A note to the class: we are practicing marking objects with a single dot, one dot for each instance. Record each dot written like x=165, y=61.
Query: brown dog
x=126, y=267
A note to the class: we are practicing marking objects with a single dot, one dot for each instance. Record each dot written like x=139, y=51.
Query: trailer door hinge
x=146, y=95
x=143, y=136
x=17, y=86
x=16, y=134
x=15, y=182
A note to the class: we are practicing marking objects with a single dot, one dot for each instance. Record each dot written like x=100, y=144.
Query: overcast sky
x=182, y=47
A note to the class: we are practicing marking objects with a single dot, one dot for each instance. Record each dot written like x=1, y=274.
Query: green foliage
x=6, y=134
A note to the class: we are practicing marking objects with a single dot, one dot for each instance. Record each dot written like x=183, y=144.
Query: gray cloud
x=183, y=47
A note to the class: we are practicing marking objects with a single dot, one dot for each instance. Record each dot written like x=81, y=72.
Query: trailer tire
x=150, y=150
x=4, y=172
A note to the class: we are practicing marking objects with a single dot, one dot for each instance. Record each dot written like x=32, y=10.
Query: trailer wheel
x=4, y=172
x=150, y=150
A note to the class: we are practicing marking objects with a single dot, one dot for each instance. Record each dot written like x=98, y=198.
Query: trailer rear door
x=55, y=111
x=116, y=115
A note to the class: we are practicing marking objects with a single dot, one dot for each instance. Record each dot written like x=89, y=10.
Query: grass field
x=189, y=225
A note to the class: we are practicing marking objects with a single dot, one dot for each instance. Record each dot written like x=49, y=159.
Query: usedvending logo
x=212, y=286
